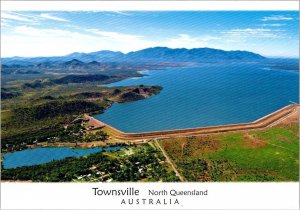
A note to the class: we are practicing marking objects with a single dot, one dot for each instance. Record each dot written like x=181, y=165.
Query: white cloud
x=122, y=13
x=35, y=32
x=114, y=35
x=118, y=13
x=253, y=33
x=273, y=25
x=31, y=42
x=51, y=17
x=16, y=17
x=5, y=22
x=187, y=41
x=276, y=18
x=28, y=19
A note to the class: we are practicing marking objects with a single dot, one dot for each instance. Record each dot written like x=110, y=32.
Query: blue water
x=213, y=94
x=37, y=156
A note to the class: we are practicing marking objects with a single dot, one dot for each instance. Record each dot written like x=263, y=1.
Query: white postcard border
x=148, y=5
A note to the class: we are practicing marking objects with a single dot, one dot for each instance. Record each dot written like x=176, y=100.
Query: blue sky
x=270, y=33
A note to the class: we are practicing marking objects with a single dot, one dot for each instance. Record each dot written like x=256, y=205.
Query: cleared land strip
x=274, y=145
x=266, y=121
x=170, y=161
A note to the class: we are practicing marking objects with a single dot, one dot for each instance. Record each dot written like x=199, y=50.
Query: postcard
x=183, y=105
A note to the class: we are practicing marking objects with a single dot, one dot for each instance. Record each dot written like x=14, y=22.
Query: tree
x=101, y=135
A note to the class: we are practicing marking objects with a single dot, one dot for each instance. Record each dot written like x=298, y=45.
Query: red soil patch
x=174, y=146
x=203, y=143
x=283, y=138
x=250, y=141
x=190, y=146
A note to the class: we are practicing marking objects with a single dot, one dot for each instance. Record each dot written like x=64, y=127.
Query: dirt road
x=182, y=179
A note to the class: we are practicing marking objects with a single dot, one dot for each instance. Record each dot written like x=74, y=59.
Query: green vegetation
x=43, y=121
x=52, y=109
x=137, y=163
x=47, y=107
x=267, y=155
x=138, y=93
x=7, y=94
x=82, y=78
x=85, y=78
x=97, y=136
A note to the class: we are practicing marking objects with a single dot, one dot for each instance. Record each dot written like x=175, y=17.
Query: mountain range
x=148, y=55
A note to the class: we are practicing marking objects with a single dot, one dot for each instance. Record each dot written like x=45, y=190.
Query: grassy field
x=267, y=155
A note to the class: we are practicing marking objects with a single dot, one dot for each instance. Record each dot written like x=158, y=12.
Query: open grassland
x=271, y=154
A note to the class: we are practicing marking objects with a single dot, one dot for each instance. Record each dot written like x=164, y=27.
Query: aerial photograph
x=150, y=96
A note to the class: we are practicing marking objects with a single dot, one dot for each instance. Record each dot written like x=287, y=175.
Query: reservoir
x=207, y=95
x=37, y=156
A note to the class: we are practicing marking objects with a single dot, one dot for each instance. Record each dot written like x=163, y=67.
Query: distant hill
x=74, y=66
x=191, y=55
x=72, y=78
x=155, y=54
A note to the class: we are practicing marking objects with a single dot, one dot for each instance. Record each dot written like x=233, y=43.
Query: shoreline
x=263, y=122
x=118, y=137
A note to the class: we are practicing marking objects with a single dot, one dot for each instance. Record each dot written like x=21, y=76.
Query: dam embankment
x=266, y=121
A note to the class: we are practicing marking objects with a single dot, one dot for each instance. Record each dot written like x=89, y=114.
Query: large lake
x=204, y=96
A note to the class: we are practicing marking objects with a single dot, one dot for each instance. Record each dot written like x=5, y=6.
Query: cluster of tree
x=82, y=78
x=43, y=123
x=207, y=170
x=34, y=85
x=20, y=139
x=130, y=96
x=73, y=78
x=7, y=93
x=51, y=133
x=56, y=171
x=88, y=95
x=196, y=169
x=73, y=133
x=143, y=164
x=25, y=114
x=16, y=69
x=98, y=136
x=42, y=118
x=139, y=93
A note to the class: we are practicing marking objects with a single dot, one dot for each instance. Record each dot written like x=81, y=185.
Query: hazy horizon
x=292, y=57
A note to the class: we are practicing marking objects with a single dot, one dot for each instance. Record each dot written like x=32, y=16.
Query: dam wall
x=263, y=122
